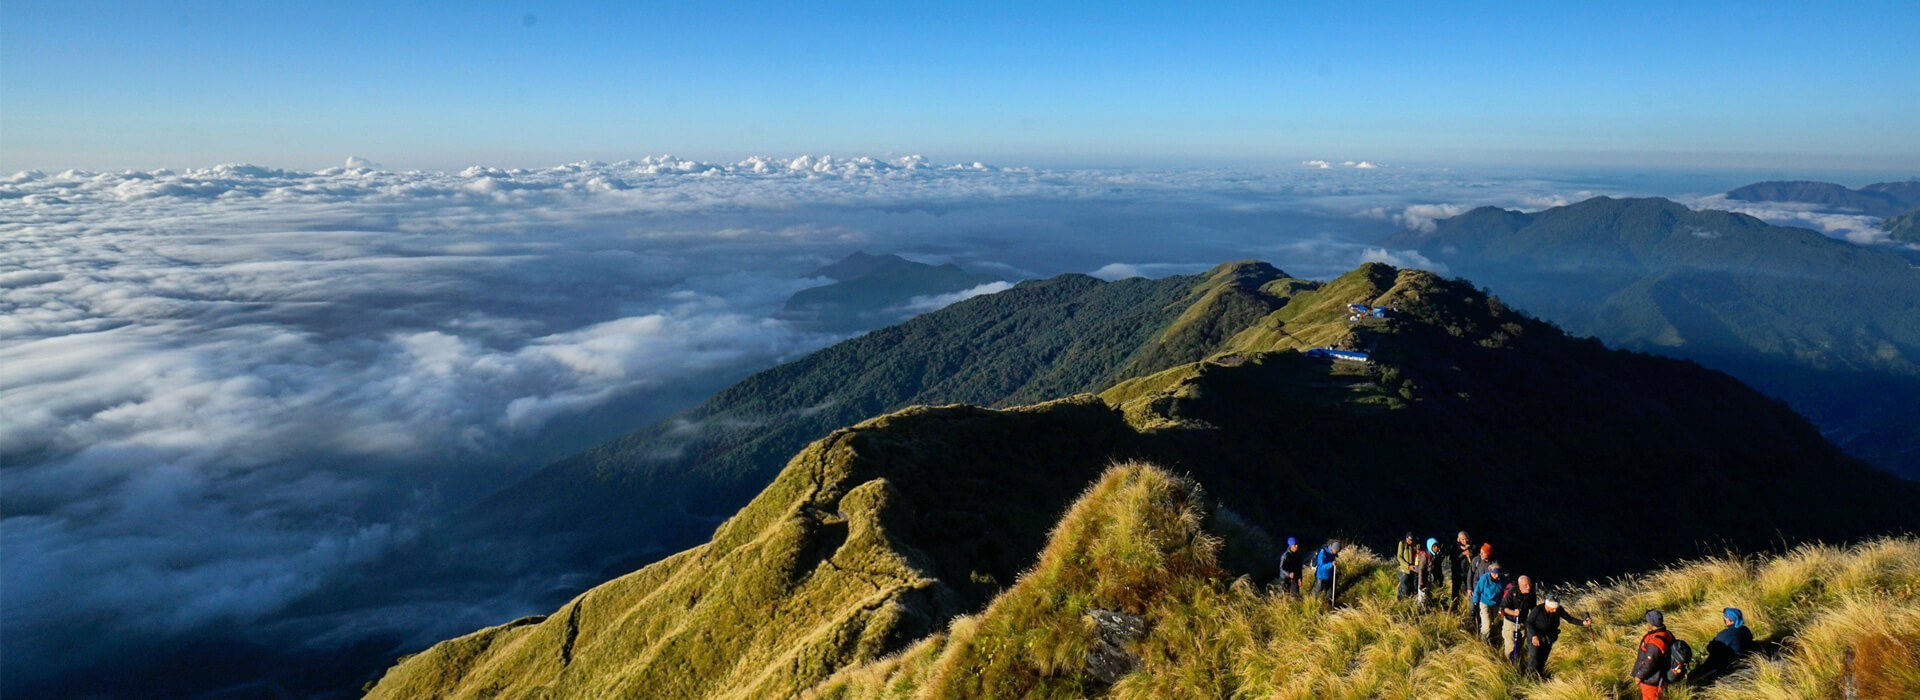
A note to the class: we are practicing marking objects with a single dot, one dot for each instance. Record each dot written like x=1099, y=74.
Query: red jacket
x=1651, y=666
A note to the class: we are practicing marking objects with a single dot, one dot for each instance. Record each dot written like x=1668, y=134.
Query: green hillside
x=886, y=559
x=662, y=487
x=1904, y=228
x=1824, y=324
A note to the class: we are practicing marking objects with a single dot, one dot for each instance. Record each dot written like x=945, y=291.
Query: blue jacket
x=1487, y=591
x=1323, y=564
x=1738, y=640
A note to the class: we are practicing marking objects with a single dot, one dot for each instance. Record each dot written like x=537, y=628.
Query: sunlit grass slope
x=869, y=539
x=1837, y=619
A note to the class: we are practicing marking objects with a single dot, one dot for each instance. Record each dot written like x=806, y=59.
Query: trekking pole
x=1333, y=587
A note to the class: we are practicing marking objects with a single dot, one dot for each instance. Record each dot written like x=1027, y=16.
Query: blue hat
x=1733, y=615
x=1291, y=542
x=1431, y=543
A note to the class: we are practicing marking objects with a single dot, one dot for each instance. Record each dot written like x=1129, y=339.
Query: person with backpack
x=1486, y=599
x=1429, y=562
x=1323, y=570
x=1515, y=603
x=1408, y=557
x=1460, y=573
x=1662, y=660
x=1728, y=648
x=1542, y=628
x=1291, y=560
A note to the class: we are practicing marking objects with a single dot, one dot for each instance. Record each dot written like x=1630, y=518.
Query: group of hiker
x=1529, y=622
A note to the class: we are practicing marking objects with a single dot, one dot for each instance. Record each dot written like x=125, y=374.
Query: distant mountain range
x=885, y=537
x=1881, y=199
x=1831, y=327
x=869, y=291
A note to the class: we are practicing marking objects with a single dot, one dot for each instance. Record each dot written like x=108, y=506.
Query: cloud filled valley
x=226, y=394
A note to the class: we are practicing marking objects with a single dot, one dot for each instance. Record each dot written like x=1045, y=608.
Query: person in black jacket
x=1291, y=561
x=1542, y=628
x=1515, y=603
x=1728, y=648
x=1460, y=573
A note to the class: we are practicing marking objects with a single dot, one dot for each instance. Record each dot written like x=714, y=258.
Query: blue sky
x=113, y=85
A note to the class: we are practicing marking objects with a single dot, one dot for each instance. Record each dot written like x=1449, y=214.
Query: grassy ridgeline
x=752, y=614
x=1835, y=616
x=846, y=575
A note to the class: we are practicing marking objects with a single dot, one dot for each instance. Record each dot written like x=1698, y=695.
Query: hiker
x=1486, y=598
x=1323, y=570
x=1429, y=562
x=1728, y=648
x=1651, y=666
x=1408, y=556
x=1515, y=602
x=1542, y=630
x=1290, y=561
x=1485, y=560
x=1460, y=574
x=1477, y=569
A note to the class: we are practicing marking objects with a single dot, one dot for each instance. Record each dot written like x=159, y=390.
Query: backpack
x=1679, y=660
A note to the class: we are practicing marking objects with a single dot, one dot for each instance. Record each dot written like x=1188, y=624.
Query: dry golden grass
x=1840, y=617
x=749, y=616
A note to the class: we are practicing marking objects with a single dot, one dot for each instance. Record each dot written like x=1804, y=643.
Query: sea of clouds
x=228, y=392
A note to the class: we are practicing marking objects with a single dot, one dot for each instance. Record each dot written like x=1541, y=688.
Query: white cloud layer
x=1410, y=259
x=1864, y=230
x=924, y=304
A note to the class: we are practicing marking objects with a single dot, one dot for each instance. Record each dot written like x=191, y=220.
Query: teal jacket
x=1488, y=591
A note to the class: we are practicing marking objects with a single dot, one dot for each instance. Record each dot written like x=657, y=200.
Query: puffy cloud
x=1402, y=258
x=1864, y=230
x=920, y=305
x=1119, y=271
x=1425, y=217
x=1329, y=165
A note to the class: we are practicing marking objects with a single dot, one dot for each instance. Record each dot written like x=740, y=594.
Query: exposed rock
x=1110, y=661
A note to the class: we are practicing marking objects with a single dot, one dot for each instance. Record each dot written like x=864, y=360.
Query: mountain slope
x=1904, y=228
x=663, y=487
x=1834, y=623
x=1472, y=415
x=1878, y=199
x=870, y=538
x=1139, y=542
x=1824, y=324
